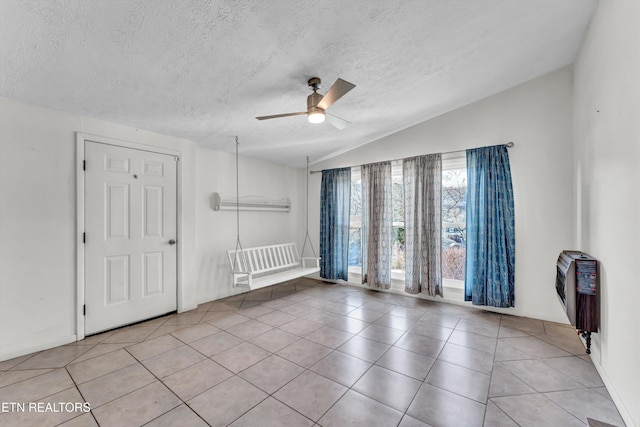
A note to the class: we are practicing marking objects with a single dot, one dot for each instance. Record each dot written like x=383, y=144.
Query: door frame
x=81, y=138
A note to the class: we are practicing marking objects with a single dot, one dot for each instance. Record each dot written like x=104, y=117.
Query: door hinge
x=84, y=310
x=84, y=237
x=84, y=165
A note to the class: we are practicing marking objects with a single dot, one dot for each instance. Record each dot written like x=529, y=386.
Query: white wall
x=607, y=153
x=536, y=116
x=38, y=221
x=217, y=229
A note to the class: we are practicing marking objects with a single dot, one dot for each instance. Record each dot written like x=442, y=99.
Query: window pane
x=454, y=237
x=355, y=221
x=397, y=203
x=397, y=255
x=355, y=248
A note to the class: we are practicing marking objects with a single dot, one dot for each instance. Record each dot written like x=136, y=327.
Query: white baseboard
x=624, y=413
x=188, y=308
x=514, y=311
x=17, y=352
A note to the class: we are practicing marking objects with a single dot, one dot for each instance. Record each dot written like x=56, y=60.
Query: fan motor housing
x=313, y=100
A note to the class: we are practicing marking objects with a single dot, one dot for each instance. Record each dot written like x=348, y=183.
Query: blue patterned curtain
x=377, y=225
x=490, y=265
x=422, y=178
x=335, y=201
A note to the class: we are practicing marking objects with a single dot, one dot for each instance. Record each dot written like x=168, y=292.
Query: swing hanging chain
x=236, y=258
x=307, y=210
x=237, y=195
x=307, y=238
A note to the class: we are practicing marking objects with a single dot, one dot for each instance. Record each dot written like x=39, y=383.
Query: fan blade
x=336, y=121
x=277, y=116
x=335, y=92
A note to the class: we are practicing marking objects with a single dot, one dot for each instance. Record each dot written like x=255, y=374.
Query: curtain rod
x=508, y=144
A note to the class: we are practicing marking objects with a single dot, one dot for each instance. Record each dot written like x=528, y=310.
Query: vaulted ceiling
x=202, y=70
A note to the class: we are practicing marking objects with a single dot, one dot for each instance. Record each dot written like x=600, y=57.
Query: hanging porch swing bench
x=267, y=265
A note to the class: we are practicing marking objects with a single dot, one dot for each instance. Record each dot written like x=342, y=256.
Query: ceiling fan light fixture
x=316, y=117
x=314, y=114
x=318, y=103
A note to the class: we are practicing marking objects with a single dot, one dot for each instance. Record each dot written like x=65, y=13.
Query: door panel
x=117, y=210
x=152, y=271
x=152, y=211
x=116, y=279
x=115, y=164
x=153, y=168
x=130, y=220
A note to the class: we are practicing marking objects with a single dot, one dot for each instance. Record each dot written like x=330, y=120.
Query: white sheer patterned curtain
x=377, y=225
x=423, y=224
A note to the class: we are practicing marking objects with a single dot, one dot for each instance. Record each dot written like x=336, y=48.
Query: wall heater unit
x=577, y=288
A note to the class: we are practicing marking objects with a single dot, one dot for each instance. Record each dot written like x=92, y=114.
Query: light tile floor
x=307, y=353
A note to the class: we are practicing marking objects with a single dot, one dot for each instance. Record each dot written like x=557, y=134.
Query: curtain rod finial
x=510, y=144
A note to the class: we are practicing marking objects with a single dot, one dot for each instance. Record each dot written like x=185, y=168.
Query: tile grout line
x=81, y=395
x=161, y=382
x=499, y=409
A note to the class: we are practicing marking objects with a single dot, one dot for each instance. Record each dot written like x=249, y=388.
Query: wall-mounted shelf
x=249, y=203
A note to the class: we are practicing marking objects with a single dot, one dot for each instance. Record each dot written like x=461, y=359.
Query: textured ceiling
x=202, y=70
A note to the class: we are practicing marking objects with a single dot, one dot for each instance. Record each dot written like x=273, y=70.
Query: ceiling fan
x=317, y=103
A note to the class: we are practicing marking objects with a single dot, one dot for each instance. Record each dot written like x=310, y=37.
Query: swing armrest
x=303, y=261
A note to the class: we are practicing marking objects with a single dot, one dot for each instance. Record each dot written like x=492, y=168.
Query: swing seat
x=267, y=265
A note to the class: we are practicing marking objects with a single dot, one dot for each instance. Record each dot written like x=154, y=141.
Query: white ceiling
x=202, y=70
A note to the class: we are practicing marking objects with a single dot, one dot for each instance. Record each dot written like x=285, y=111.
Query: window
x=454, y=236
x=355, y=223
x=454, y=194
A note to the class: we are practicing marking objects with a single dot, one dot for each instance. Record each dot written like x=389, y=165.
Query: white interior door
x=130, y=241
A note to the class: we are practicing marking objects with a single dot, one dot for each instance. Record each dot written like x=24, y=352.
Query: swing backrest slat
x=263, y=259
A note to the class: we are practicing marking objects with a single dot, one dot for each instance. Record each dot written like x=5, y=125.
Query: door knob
x=172, y=242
